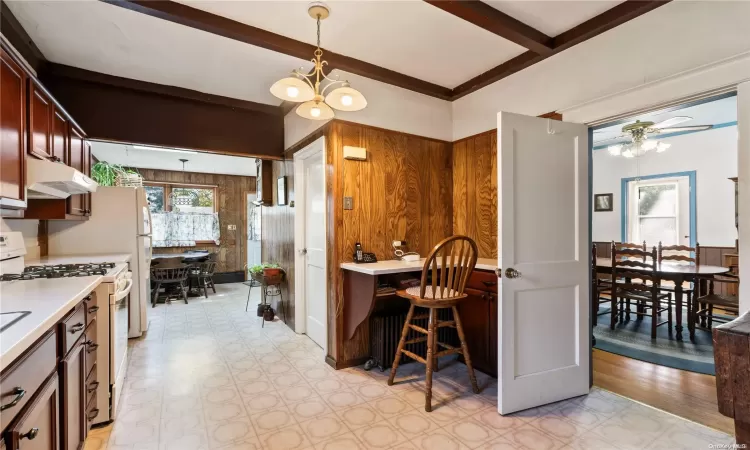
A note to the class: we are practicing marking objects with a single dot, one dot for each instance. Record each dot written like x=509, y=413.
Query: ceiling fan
x=639, y=133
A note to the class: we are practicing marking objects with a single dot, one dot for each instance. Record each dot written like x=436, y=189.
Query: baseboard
x=338, y=365
x=229, y=277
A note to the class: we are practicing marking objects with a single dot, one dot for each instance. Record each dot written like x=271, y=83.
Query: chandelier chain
x=318, y=30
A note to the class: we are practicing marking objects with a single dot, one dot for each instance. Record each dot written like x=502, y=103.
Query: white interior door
x=315, y=243
x=543, y=234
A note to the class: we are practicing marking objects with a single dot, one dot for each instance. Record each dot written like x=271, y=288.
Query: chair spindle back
x=693, y=253
x=450, y=262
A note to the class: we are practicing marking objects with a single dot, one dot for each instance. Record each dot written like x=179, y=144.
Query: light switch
x=348, y=202
x=231, y=227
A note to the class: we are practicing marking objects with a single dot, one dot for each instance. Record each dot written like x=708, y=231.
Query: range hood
x=50, y=180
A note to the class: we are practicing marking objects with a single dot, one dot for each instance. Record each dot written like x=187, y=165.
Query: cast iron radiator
x=385, y=332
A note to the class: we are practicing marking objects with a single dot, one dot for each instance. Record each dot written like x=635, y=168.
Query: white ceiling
x=407, y=36
x=553, y=17
x=154, y=158
x=712, y=113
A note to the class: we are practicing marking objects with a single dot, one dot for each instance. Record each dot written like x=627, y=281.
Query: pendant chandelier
x=640, y=144
x=306, y=88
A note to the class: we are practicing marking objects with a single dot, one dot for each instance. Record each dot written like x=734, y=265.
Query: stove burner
x=59, y=271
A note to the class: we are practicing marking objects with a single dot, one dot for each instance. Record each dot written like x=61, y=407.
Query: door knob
x=303, y=251
x=512, y=273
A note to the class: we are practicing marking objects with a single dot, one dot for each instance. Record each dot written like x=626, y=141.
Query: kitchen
x=420, y=164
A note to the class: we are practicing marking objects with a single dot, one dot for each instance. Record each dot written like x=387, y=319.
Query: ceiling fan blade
x=622, y=136
x=691, y=128
x=672, y=121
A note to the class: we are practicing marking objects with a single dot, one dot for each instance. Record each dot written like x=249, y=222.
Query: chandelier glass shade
x=636, y=149
x=318, y=100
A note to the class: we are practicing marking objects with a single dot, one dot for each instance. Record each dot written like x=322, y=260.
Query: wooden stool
x=458, y=256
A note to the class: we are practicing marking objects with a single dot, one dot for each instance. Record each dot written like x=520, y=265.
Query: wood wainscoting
x=232, y=192
x=475, y=190
x=402, y=191
x=277, y=232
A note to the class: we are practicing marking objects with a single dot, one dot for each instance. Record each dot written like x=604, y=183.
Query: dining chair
x=627, y=246
x=680, y=254
x=630, y=264
x=444, y=276
x=174, y=277
x=599, y=287
x=202, y=274
x=705, y=305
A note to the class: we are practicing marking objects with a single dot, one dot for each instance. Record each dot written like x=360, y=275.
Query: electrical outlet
x=231, y=227
x=348, y=203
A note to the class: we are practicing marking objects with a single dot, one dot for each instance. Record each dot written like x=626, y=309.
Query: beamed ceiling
x=237, y=49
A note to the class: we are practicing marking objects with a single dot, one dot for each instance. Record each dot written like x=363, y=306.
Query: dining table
x=183, y=255
x=679, y=274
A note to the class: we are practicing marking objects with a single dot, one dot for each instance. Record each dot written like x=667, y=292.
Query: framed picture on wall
x=602, y=202
x=281, y=191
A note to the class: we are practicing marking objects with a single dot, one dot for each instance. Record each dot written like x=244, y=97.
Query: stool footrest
x=416, y=341
x=420, y=317
x=451, y=351
x=417, y=328
x=414, y=356
x=447, y=323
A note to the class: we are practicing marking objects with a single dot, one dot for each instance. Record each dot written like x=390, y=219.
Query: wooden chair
x=646, y=292
x=444, y=276
x=608, y=282
x=599, y=286
x=202, y=274
x=680, y=253
x=703, y=307
x=169, y=277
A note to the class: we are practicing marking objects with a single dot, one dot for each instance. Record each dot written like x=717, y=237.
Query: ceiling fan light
x=650, y=145
x=615, y=150
x=292, y=89
x=346, y=98
x=315, y=111
x=662, y=147
x=628, y=154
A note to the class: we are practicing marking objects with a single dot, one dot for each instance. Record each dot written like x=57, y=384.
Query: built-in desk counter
x=393, y=266
x=478, y=311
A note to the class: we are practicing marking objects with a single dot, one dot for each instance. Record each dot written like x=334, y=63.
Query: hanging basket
x=129, y=180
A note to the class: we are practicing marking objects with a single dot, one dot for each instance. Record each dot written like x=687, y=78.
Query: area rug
x=633, y=339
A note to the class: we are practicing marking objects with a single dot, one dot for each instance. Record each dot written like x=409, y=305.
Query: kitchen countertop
x=47, y=299
x=394, y=266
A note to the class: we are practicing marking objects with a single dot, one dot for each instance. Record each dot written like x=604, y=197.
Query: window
x=183, y=215
x=660, y=208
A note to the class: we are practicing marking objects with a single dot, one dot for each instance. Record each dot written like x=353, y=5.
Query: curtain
x=180, y=229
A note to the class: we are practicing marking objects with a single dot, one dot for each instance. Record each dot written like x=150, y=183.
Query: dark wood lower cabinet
x=38, y=428
x=479, y=319
x=73, y=370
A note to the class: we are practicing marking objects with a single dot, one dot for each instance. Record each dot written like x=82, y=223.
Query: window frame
x=625, y=213
x=168, y=186
x=634, y=211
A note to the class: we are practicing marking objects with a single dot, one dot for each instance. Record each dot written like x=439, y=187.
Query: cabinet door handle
x=93, y=309
x=19, y=392
x=31, y=434
x=91, y=346
x=94, y=385
x=489, y=283
x=76, y=328
x=87, y=298
x=92, y=414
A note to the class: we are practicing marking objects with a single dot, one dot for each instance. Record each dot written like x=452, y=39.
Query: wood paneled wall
x=232, y=193
x=475, y=190
x=277, y=236
x=403, y=191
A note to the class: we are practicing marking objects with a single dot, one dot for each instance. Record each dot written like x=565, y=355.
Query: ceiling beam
x=497, y=22
x=221, y=26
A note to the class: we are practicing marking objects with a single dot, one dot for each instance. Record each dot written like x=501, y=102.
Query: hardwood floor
x=682, y=393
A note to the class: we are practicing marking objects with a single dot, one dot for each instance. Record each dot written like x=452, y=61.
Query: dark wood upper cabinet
x=12, y=134
x=264, y=182
x=76, y=206
x=60, y=137
x=41, y=116
x=87, y=170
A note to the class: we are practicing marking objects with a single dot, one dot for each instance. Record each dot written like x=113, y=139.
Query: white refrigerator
x=120, y=222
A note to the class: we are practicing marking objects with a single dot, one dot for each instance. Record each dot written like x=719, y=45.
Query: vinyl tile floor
x=206, y=376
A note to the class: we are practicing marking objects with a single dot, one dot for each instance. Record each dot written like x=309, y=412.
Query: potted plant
x=259, y=272
x=106, y=174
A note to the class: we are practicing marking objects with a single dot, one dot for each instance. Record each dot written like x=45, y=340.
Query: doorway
x=311, y=306
x=253, y=223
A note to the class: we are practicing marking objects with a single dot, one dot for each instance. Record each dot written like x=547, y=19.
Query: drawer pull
x=93, y=386
x=93, y=309
x=19, y=393
x=489, y=283
x=76, y=328
x=91, y=346
x=87, y=298
x=92, y=414
x=31, y=434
